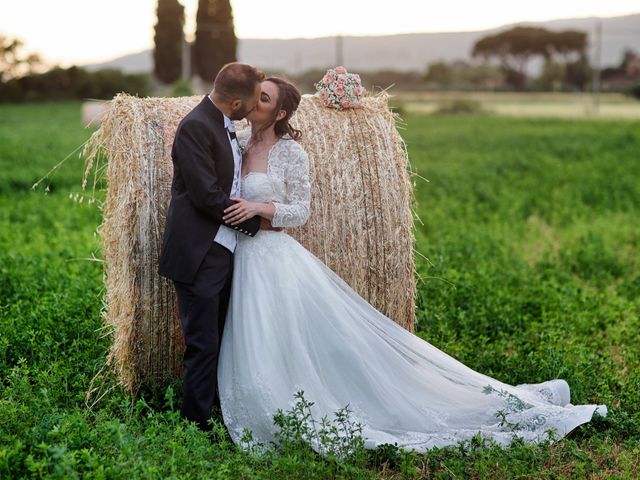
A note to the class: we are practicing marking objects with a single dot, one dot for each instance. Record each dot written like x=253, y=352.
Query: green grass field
x=531, y=231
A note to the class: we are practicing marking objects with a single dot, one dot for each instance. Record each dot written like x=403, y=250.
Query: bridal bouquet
x=340, y=89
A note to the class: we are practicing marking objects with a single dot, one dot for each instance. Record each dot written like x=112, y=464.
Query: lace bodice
x=285, y=183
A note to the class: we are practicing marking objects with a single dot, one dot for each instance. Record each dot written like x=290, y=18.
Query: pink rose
x=357, y=91
x=328, y=79
x=339, y=90
x=342, y=80
x=345, y=103
x=340, y=70
x=324, y=94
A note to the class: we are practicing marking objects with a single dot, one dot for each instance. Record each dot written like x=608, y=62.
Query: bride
x=293, y=325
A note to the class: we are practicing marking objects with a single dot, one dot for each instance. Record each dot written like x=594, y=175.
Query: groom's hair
x=237, y=80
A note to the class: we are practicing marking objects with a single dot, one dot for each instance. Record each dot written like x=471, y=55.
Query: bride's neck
x=268, y=136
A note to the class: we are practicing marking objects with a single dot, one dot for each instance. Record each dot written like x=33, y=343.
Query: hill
x=406, y=52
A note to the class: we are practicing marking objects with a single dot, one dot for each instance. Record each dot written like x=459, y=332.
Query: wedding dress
x=293, y=325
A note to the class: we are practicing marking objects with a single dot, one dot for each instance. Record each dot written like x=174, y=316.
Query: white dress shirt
x=228, y=237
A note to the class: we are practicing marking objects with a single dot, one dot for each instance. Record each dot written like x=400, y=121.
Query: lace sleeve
x=294, y=211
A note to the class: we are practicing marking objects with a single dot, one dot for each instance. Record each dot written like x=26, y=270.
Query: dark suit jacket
x=202, y=178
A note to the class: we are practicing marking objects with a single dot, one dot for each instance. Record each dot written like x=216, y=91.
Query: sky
x=67, y=32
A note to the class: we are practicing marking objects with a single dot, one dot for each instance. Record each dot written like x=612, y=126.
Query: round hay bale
x=361, y=222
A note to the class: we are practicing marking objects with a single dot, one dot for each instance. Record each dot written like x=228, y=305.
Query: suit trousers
x=203, y=306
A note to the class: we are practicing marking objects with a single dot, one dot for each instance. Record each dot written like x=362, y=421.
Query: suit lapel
x=219, y=130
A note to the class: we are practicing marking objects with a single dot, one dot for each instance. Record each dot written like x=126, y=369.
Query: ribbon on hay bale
x=361, y=222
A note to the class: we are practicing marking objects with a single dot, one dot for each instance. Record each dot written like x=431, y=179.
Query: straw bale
x=361, y=222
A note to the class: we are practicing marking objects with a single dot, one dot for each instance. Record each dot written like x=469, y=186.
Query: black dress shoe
x=205, y=427
x=216, y=413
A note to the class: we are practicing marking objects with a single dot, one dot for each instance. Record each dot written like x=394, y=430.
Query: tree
x=629, y=63
x=439, y=73
x=569, y=45
x=169, y=36
x=216, y=41
x=579, y=72
x=460, y=74
x=552, y=76
x=515, y=47
x=14, y=63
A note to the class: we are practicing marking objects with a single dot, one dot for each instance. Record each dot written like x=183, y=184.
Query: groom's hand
x=266, y=225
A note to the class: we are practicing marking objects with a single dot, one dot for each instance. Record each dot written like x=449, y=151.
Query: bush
x=181, y=88
x=74, y=83
x=458, y=106
x=634, y=91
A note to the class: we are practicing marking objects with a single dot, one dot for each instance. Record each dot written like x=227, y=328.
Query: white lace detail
x=242, y=414
x=289, y=186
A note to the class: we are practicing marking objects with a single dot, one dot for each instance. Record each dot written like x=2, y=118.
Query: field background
x=578, y=105
x=530, y=231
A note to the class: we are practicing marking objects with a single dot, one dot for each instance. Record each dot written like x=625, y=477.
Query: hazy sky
x=84, y=31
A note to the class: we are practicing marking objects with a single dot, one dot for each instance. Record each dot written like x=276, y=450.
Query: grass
x=531, y=233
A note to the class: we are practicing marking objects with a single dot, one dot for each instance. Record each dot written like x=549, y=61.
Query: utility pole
x=597, y=65
x=339, y=50
x=297, y=63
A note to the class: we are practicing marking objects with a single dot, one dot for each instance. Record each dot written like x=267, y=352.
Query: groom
x=197, y=247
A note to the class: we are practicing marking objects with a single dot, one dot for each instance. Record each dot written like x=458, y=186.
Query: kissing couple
x=263, y=318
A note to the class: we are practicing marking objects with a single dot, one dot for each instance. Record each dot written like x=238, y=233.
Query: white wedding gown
x=293, y=324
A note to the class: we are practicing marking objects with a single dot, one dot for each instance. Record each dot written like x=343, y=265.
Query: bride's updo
x=288, y=100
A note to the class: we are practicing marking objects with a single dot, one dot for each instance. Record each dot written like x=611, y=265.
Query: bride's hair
x=288, y=100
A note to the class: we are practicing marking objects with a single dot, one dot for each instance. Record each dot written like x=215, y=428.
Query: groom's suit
x=201, y=269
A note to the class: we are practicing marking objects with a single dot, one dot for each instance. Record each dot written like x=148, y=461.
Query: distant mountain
x=406, y=52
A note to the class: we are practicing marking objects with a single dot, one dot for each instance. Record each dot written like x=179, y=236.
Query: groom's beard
x=239, y=114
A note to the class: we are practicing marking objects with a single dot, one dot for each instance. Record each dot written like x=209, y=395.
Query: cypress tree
x=216, y=40
x=167, y=53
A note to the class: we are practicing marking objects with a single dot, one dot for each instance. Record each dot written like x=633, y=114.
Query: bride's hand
x=240, y=211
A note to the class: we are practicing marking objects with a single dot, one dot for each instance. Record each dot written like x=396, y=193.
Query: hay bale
x=361, y=222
